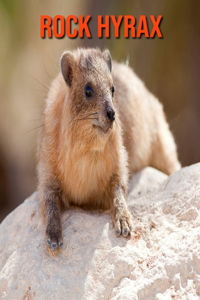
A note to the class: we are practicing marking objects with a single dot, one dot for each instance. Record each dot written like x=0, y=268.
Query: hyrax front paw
x=54, y=238
x=123, y=223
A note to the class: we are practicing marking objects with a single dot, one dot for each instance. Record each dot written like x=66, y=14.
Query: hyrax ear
x=66, y=64
x=107, y=58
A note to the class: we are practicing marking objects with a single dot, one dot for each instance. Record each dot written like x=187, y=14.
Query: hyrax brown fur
x=100, y=125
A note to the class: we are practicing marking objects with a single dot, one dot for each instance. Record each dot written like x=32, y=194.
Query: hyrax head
x=87, y=72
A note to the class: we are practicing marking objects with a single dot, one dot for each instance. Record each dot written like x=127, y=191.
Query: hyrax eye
x=112, y=90
x=88, y=91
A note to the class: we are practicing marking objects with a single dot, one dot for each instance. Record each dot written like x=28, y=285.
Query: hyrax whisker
x=83, y=117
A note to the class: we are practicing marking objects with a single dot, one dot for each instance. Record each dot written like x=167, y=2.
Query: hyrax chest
x=86, y=176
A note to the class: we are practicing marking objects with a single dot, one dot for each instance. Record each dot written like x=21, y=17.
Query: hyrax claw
x=122, y=227
x=54, y=237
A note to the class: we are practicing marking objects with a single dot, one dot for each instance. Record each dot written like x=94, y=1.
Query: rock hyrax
x=100, y=125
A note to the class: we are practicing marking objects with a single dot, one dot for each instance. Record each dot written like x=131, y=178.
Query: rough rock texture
x=161, y=260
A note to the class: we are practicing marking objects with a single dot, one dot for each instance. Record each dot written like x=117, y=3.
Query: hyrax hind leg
x=164, y=153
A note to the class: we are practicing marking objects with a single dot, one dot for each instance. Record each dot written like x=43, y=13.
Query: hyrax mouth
x=104, y=129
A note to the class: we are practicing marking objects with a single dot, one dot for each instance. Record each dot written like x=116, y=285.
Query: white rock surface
x=161, y=260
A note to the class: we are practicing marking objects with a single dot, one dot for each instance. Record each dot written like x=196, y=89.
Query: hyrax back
x=100, y=124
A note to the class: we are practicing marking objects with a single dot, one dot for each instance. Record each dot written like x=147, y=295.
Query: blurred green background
x=170, y=68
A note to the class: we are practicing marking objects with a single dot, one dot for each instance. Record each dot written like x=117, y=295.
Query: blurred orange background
x=170, y=68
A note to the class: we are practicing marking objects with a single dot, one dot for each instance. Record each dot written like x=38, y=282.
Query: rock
x=161, y=259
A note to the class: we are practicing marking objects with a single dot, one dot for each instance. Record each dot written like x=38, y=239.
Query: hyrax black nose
x=110, y=114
